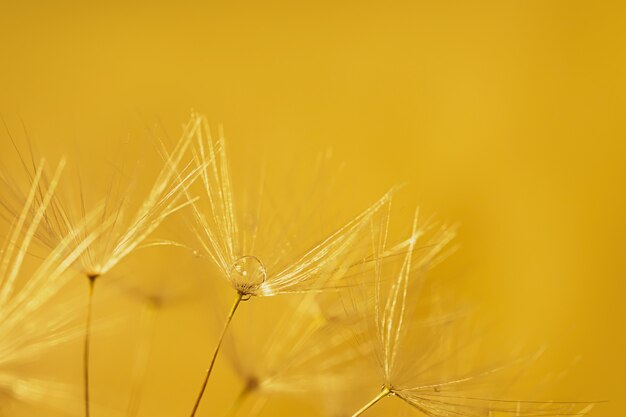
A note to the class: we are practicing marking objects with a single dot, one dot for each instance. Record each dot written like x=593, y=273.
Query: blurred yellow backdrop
x=506, y=117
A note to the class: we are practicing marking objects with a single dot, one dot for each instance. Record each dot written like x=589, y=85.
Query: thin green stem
x=217, y=349
x=383, y=393
x=92, y=283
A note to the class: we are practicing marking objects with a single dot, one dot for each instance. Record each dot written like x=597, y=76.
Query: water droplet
x=247, y=274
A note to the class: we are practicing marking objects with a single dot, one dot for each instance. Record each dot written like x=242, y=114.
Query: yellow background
x=506, y=117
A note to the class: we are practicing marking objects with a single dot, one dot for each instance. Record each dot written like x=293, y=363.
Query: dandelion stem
x=92, y=283
x=383, y=393
x=142, y=355
x=217, y=349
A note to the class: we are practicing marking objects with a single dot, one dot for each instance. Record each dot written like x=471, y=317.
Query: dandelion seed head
x=424, y=349
x=32, y=323
x=235, y=227
x=124, y=215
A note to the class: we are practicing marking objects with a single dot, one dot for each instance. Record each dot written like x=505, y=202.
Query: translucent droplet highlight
x=247, y=274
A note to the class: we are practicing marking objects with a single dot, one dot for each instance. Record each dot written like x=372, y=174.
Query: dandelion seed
x=233, y=247
x=232, y=244
x=124, y=229
x=129, y=220
x=412, y=352
x=25, y=331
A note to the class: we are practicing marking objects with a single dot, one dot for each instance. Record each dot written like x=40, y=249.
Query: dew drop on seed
x=247, y=274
